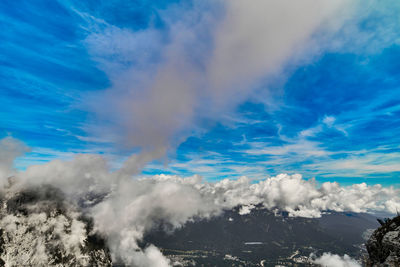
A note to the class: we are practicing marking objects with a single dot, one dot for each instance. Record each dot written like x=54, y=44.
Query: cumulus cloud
x=142, y=205
x=124, y=209
x=333, y=260
x=296, y=195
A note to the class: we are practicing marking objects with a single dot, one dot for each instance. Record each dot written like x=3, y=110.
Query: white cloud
x=127, y=208
x=314, y=155
x=359, y=164
x=10, y=149
x=301, y=197
x=329, y=120
x=140, y=205
x=381, y=33
x=300, y=147
x=333, y=260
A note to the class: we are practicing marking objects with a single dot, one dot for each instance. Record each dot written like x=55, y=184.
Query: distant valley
x=263, y=238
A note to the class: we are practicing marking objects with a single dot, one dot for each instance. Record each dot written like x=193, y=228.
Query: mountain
x=384, y=244
x=263, y=237
x=38, y=228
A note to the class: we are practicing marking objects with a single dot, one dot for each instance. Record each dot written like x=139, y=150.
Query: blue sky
x=332, y=113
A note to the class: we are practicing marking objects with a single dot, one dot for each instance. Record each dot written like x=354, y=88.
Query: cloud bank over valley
x=125, y=208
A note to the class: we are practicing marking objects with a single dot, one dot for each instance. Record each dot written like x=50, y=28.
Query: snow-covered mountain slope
x=38, y=227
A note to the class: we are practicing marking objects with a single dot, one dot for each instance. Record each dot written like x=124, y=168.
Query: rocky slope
x=39, y=228
x=384, y=244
